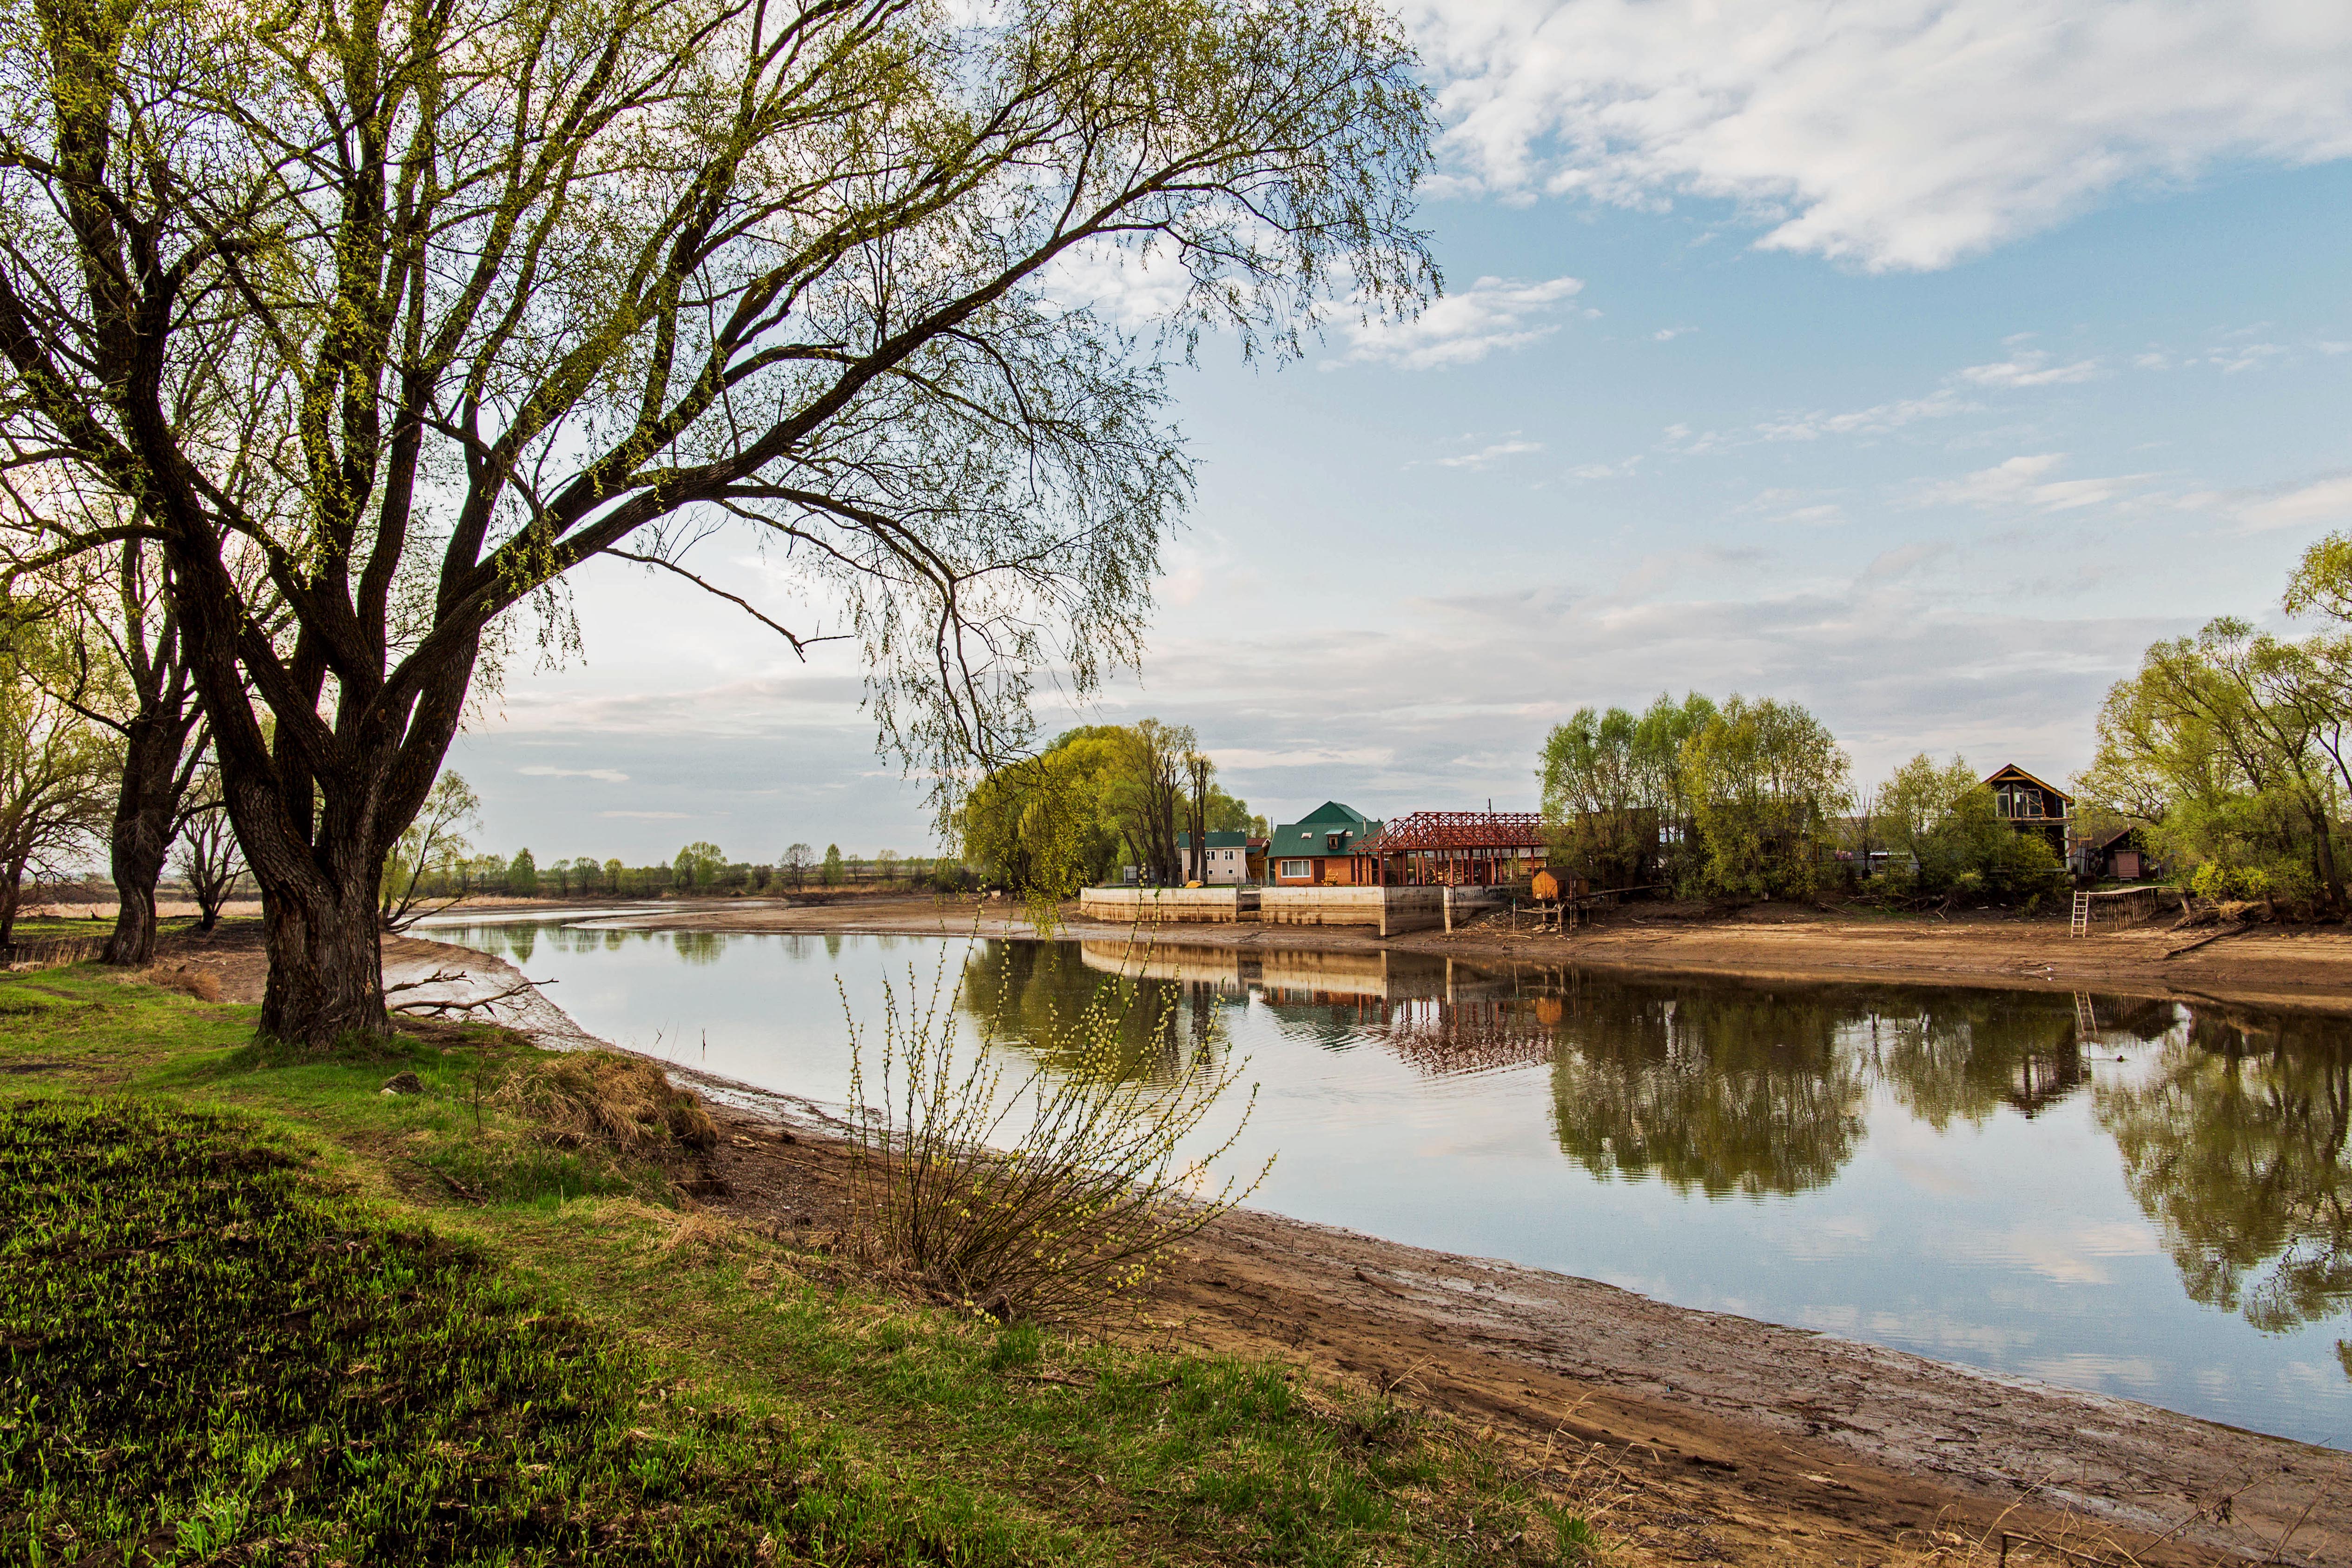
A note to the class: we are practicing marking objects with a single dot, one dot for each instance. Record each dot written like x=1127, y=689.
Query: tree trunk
x=326, y=965
x=143, y=813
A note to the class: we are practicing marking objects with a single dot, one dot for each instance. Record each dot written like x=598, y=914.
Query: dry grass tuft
x=698, y=1231
x=201, y=983
x=611, y=1101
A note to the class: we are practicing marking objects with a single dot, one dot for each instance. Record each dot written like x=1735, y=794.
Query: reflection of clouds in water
x=1943, y=1177
x=2084, y=1370
x=1833, y=1236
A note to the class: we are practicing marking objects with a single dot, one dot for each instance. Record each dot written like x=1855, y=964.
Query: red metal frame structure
x=1453, y=848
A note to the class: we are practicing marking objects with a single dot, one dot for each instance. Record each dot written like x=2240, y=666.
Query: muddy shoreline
x=1720, y=1438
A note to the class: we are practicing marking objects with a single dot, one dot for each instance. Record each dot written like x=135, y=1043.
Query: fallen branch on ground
x=424, y=1008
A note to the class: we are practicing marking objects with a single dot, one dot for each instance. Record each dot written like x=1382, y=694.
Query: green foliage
x=209, y=1353
x=1763, y=779
x=1613, y=792
x=2230, y=750
x=832, y=874
x=700, y=868
x=522, y=874
x=1100, y=796
x=1945, y=835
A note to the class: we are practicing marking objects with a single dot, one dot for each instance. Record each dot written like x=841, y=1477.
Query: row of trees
x=436, y=863
x=2231, y=750
x=1755, y=799
x=1100, y=798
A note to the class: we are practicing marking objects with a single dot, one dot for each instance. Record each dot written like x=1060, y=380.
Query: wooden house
x=1322, y=848
x=2031, y=806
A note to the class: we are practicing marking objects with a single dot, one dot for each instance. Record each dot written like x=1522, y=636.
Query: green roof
x=1311, y=833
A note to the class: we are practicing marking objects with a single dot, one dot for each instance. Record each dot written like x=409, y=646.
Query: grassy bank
x=254, y=1309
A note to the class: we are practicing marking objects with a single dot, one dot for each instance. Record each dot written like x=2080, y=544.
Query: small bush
x=1070, y=1218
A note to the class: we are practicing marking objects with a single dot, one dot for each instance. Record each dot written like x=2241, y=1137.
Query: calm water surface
x=2133, y=1196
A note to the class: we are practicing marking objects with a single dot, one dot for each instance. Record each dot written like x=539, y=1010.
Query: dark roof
x=2012, y=770
x=1331, y=811
x=1215, y=840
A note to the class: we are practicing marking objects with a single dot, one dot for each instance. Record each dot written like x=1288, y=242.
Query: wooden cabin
x=2032, y=805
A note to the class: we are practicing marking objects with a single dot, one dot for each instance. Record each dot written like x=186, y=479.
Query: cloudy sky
x=1919, y=360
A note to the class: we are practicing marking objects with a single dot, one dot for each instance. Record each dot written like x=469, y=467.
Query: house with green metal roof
x=1320, y=849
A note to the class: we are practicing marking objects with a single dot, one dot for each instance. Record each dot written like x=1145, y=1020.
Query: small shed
x=2116, y=855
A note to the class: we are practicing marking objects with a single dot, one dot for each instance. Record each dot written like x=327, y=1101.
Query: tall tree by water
x=600, y=276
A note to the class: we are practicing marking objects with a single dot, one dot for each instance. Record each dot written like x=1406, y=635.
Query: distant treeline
x=700, y=867
x=435, y=862
x=1756, y=799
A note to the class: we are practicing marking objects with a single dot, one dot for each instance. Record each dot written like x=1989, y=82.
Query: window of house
x=1296, y=869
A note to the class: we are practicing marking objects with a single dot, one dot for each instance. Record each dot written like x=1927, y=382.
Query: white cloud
x=649, y=815
x=2307, y=506
x=1889, y=134
x=2031, y=368
x=2019, y=482
x=608, y=775
x=1668, y=334
x=1485, y=455
x=1128, y=287
x=1492, y=313
x=1873, y=421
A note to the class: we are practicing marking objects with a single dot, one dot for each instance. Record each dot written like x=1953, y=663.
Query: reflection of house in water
x=1440, y=1014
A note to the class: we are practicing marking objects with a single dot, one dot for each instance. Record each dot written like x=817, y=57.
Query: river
x=2132, y=1196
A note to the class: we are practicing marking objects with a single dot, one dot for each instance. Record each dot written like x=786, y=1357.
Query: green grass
x=254, y=1310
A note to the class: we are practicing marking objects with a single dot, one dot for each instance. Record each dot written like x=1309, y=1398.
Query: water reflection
x=2131, y=1196
x=2234, y=1144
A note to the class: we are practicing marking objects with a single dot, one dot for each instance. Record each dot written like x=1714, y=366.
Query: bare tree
x=434, y=842
x=208, y=860
x=797, y=861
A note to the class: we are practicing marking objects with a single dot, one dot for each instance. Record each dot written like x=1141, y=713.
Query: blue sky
x=1921, y=363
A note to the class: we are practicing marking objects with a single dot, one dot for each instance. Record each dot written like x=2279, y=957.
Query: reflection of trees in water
x=521, y=942
x=1724, y=1091
x=698, y=946
x=1037, y=996
x=2234, y=1145
x=1961, y=1055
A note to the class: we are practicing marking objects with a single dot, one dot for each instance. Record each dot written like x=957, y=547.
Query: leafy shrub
x=1068, y=1218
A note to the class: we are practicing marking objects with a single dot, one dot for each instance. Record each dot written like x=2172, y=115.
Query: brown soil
x=1689, y=1437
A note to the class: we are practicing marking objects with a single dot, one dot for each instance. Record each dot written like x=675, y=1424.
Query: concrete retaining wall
x=1131, y=906
x=1388, y=911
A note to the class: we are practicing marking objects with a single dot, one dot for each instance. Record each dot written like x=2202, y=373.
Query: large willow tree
x=490, y=289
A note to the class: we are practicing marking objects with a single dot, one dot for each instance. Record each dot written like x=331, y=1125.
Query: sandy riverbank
x=2302, y=967
x=1714, y=1437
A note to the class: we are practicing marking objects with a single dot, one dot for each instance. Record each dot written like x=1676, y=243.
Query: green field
x=256, y=1311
